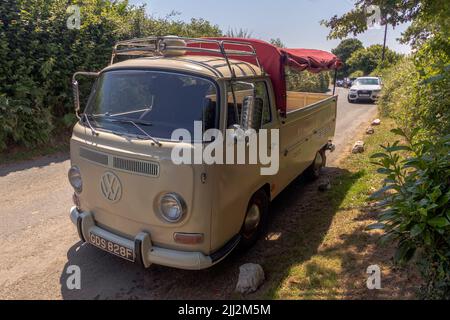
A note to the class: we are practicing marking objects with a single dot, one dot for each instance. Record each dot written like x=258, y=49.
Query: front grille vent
x=94, y=156
x=136, y=166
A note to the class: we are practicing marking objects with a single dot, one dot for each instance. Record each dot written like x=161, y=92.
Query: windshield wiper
x=134, y=123
x=93, y=131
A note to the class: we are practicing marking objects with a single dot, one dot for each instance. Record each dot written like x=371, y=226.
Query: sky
x=295, y=22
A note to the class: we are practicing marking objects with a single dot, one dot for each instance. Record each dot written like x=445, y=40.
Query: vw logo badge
x=111, y=187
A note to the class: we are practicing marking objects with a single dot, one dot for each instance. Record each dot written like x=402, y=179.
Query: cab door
x=235, y=182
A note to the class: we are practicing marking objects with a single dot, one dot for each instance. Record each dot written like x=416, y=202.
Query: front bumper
x=145, y=253
x=354, y=97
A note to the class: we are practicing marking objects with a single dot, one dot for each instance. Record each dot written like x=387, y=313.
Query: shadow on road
x=300, y=219
x=41, y=162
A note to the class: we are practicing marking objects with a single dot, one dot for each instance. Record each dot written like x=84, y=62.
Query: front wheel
x=255, y=221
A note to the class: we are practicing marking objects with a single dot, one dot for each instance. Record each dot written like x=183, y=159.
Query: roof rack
x=156, y=46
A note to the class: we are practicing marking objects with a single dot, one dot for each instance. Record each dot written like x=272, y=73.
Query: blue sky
x=295, y=22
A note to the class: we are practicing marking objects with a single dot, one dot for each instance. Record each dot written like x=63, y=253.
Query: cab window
x=241, y=90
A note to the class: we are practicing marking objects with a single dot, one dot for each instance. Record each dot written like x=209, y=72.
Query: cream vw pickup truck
x=133, y=200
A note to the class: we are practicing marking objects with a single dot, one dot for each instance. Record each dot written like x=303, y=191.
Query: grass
x=327, y=252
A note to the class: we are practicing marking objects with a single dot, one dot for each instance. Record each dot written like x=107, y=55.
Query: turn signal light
x=188, y=238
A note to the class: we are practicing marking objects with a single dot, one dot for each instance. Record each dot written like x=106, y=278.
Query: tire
x=313, y=171
x=255, y=221
x=350, y=101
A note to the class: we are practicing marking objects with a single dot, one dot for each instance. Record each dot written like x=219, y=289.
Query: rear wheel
x=313, y=171
x=255, y=221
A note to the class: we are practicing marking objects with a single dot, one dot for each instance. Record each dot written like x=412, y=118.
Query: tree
x=238, y=33
x=430, y=23
x=356, y=74
x=368, y=59
x=393, y=12
x=277, y=43
x=343, y=51
x=39, y=54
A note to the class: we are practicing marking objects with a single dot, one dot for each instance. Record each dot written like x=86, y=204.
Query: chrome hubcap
x=252, y=220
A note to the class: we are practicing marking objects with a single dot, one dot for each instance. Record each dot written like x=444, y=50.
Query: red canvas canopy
x=274, y=59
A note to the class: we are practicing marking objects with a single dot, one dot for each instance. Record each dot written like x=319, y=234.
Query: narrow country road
x=38, y=242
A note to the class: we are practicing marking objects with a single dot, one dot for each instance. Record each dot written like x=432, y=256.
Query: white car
x=365, y=88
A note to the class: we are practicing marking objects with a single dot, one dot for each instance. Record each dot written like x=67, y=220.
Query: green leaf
x=439, y=222
x=444, y=200
x=427, y=238
x=411, y=163
x=379, y=155
x=381, y=192
x=404, y=252
x=399, y=132
x=398, y=148
x=376, y=226
x=387, y=215
x=384, y=171
x=435, y=194
x=417, y=229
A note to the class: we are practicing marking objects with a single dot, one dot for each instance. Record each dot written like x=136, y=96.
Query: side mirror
x=76, y=97
x=76, y=89
x=251, y=113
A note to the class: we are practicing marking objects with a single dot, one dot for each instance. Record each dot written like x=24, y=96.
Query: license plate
x=111, y=247
x=364, y=95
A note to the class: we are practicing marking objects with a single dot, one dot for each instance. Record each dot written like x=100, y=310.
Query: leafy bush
x=39, y=54
x=418, y=101
x=416, y=197
x=356, y=74
x=368, y=59
x=20, y=122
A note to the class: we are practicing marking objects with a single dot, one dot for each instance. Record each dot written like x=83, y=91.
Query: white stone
x=376, y=122
x=358, y=147
x=370, y=130
x=251, y=276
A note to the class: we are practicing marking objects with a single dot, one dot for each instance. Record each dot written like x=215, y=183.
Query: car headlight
x=75, y=179
x=353, y=91
x=172, y=207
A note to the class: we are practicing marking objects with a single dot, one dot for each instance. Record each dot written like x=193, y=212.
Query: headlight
x=172, y=207
x=75, y=179
x=353, y=91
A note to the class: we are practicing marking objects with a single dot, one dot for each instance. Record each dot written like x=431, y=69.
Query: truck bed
x=307, y=128
x=299, y=100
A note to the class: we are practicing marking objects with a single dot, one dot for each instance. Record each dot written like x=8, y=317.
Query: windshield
x=368, y=81
x=158, y=102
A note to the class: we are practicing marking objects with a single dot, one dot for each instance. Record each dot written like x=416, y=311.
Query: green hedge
x=416, y=193
x=39, y=54
x=420, y=103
